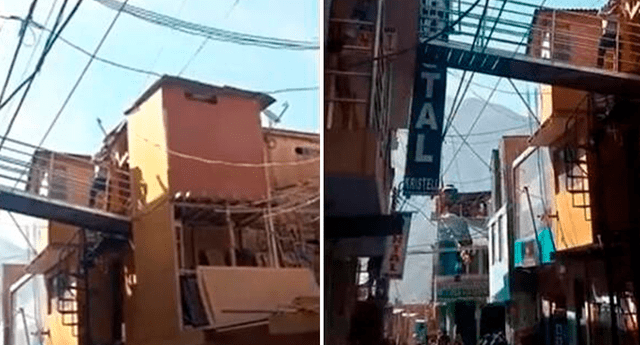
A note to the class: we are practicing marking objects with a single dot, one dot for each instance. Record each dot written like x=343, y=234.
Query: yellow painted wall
x=151, y=312
x=60, y=334
x=148, y=160
x=546, y=102
x=573, y=229
x=573, y=226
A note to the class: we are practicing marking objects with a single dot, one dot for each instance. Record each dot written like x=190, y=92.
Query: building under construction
x=205, y=226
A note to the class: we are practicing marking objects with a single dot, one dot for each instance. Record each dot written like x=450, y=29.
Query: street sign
x=422, y=174
x=396, y=251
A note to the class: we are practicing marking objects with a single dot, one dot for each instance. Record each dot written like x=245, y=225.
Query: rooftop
x=199, y=87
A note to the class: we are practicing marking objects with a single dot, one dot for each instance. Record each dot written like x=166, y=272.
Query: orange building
x=224, y=227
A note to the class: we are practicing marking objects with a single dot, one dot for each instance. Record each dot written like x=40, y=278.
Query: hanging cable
x=24, y=235
x=464, y=140
x=464, y=73
x=531, y=113
x=210, y=32
x=234, y=164
x=475, y=121
x=82, y=74
x=455, y=108
x=48, y=45
x=23, y=31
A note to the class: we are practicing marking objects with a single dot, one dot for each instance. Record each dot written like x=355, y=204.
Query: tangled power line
x=209, y=32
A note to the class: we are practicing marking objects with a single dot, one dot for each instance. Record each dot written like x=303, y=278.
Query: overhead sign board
x=427, y=109
x=467, y=287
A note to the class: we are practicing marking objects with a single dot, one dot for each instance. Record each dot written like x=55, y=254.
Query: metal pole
x=85, y=313
x=553, y=35
x=26, y=329
x=269, y=219
x=232, y=237
x=616, y=58
x=533, y=222
x=374, y=67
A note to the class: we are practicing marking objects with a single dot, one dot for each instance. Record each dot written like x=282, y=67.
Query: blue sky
x=106, y=91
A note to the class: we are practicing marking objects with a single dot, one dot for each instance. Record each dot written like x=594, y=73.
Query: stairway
x=70, y=283
x=577, y=179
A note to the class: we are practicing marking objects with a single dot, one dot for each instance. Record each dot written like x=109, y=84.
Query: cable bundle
x=209, y=32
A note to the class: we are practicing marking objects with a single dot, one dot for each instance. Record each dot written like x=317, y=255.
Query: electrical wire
x=455, y=107
x=23, y=32
x=33, y=51
x=74, y=88
x=193, y=56
x=210, y=32
x=531, y=113
x=24, y=73
x=85, y=52
x=82, y=74
x=24, y=235
x=294, y=208
x=136, y=69
x=475, y=121
x=464, y=73
x=490, y=132
x=29, y=81
x=233, y=164
x=464, y=140
x=487, y=87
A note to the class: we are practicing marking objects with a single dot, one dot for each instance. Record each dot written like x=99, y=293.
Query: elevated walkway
x=519, y=40
x=62, y=187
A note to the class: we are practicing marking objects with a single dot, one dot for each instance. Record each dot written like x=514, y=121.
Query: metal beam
x=38, y=206
x=528, y=68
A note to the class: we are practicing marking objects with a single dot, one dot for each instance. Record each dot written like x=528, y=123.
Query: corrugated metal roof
x=198, y=87
x=571, y=9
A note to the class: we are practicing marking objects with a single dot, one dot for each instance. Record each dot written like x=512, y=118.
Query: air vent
x=211, y=99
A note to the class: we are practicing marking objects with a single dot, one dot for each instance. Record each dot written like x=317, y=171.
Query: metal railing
x=358, y=79
x=64, y=177
x=574, y=37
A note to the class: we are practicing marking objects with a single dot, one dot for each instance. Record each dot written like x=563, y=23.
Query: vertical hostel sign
x=427, y=109
x=396, y=250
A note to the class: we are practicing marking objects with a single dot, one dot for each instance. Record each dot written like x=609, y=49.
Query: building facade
x=571, y=226
x=224, y=226
x=367, y=97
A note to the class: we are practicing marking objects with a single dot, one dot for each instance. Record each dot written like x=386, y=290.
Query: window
x=307, y=151
x=211, y=99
